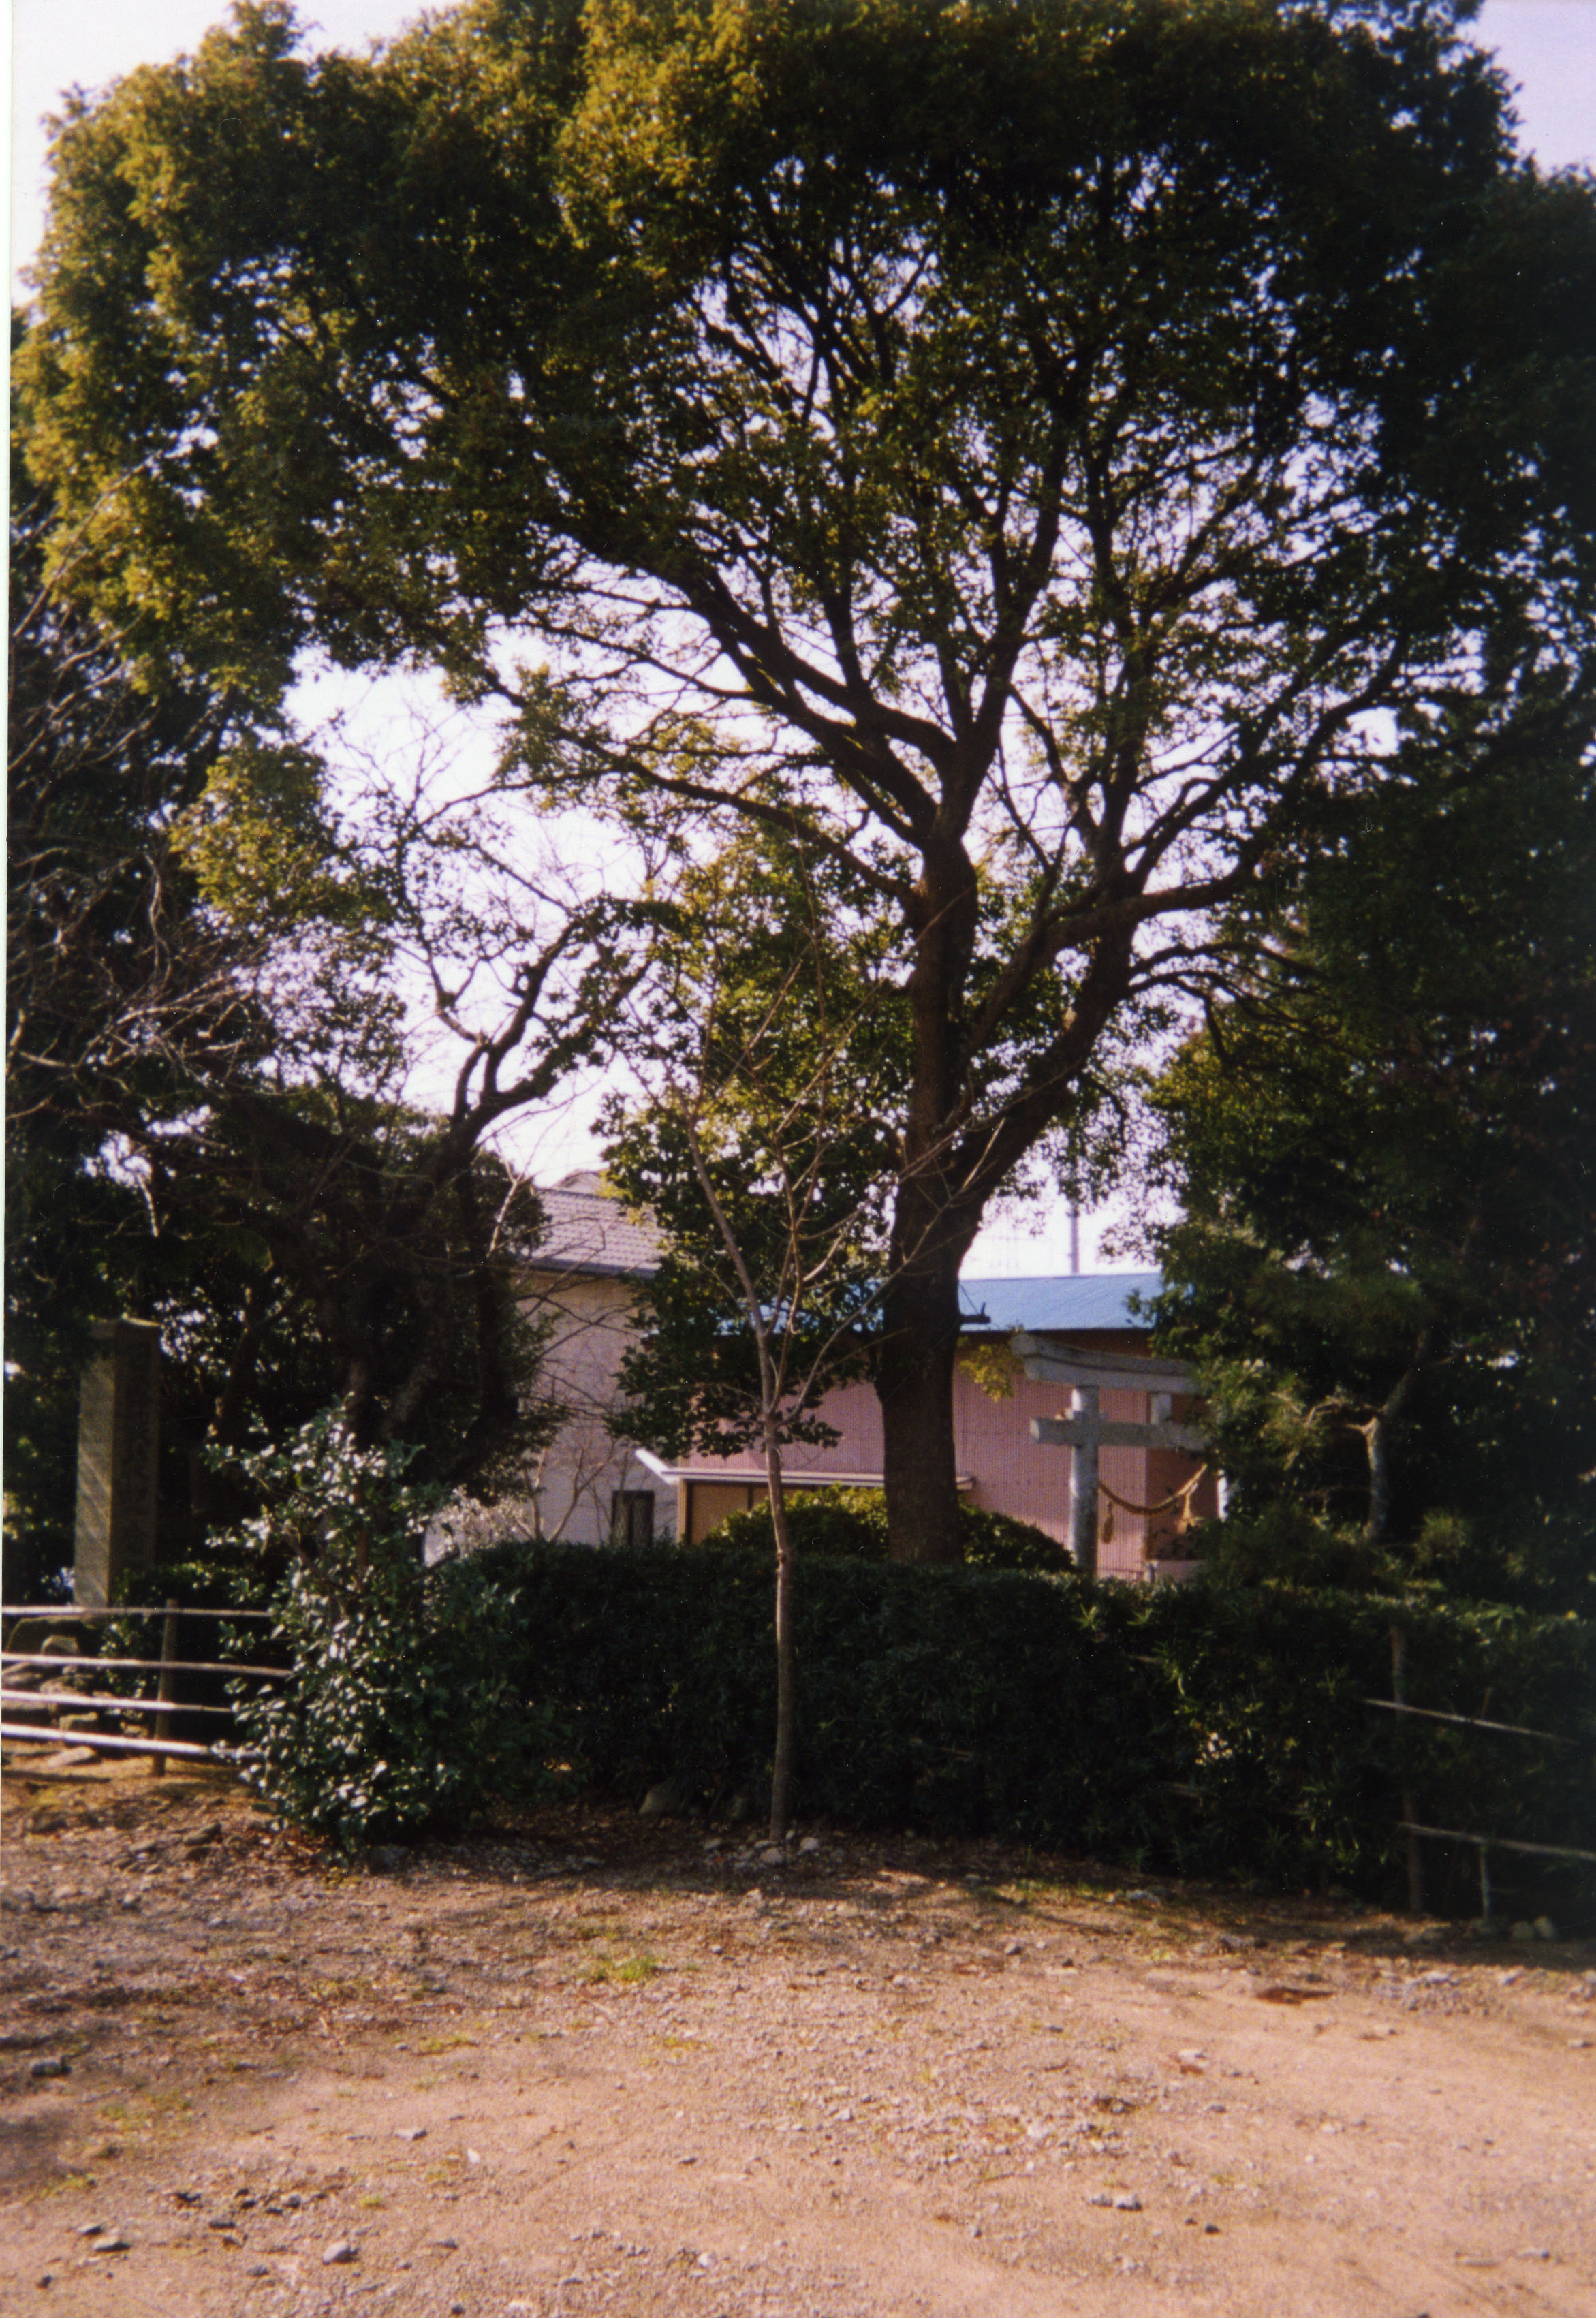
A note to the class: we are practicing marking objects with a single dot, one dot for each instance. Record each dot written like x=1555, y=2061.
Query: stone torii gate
x=1085, y=1431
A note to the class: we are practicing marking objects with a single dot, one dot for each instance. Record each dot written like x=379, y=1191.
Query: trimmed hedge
x=1208, y=1731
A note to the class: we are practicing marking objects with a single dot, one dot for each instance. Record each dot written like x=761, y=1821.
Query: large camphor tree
x=1030, y=454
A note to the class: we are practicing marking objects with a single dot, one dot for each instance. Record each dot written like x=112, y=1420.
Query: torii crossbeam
x=1085, y=1431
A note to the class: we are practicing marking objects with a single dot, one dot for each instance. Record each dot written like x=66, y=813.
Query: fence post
x=167, y=1687
x=1399, y=1657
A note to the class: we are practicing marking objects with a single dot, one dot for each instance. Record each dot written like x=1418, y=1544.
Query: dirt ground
x=599, y=2067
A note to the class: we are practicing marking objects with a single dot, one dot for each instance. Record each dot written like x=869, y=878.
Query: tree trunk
x=914, y=1381
x=1377, y=1438
x=787, y=1648
x=1376, y=1435
x=228, y=1426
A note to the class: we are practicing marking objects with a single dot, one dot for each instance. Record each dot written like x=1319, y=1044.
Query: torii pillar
x=1086, y=1431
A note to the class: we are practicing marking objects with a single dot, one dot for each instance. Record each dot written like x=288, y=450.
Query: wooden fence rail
x=109, y=1698
x=1503, y=1842
x=150, y=1666
x=106, y=1742
x=1418, y=1833
x=1469, y=1722
x=69, y=1613
x=19, y=1696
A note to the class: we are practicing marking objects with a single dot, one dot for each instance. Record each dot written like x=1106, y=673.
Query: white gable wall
x=578, y=1474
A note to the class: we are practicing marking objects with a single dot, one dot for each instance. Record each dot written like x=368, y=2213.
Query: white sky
x=1548, y=46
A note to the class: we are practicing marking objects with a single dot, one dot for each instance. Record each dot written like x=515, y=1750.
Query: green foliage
x=264, y=846
x=994, y=1541
x=1285, y=1542
x=772, y=1055
x=205, y=1123
x=1381, y=1147
x=1214, y=1730
x=843, y=1524
x=851, y=1524
x=401, y=1715
x=118, y=995
x=1037, y=493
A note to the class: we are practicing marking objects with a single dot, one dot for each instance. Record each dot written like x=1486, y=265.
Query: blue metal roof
x=1059, y=1303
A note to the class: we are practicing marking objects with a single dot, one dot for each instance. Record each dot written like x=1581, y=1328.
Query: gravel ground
x=597, y=2065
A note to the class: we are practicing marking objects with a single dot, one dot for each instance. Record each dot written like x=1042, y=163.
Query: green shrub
x=1285, y=1542
x=217, y=1583
x=401, y=1715
x=847, y=1524
x=998, y=1541
x=852, y=1524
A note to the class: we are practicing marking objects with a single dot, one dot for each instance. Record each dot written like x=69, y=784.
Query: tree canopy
x=1381, y=1147
x=109, y=978
x=210, y=1118
x=1034, y=492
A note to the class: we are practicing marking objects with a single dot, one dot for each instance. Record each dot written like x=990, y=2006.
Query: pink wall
x=1009, y=1471
x=1013, y=1473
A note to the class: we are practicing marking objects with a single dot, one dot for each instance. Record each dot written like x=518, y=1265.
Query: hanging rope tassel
x=1182, y=1497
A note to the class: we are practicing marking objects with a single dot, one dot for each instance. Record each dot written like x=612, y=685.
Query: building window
x=631, y=1517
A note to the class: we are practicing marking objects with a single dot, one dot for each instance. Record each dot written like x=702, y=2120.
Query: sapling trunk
x=787, y=1648
x=771, y=1380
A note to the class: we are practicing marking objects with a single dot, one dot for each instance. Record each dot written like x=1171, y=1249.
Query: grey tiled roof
x=1062, y=1302
x=587, y=1229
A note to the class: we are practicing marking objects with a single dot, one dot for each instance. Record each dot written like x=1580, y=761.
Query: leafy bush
x=1286, y=1542
x=846, y=1524
x=993, y=1540
x=851, y=1524
x=401, y=1714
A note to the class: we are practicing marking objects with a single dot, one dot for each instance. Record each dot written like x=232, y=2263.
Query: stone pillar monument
x=118, y=1435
